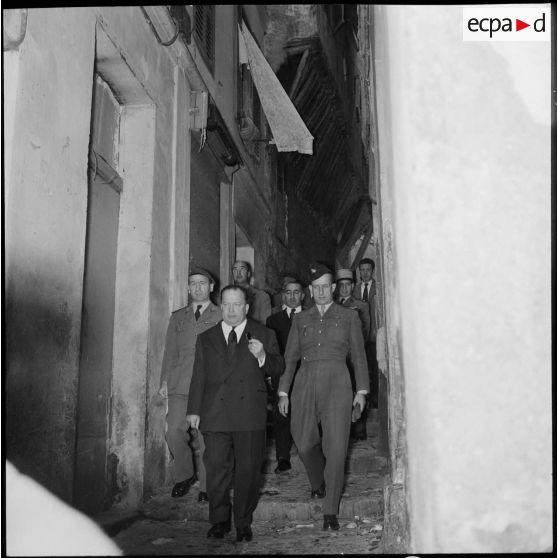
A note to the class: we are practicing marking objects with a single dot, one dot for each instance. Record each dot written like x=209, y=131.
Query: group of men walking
x=315, y=350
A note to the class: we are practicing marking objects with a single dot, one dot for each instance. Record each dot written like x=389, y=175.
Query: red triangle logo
x=519, y=25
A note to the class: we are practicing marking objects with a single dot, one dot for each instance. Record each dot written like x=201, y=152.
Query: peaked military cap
x=201, y=271
x=344, y=274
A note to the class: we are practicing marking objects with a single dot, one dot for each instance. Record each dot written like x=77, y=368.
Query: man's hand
x=360, y=398
x=163, y=390
x=283, y=405
x=193, y=421
x=256, y=348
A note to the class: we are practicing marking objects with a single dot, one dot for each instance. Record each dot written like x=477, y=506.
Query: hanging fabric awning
x=289, y=130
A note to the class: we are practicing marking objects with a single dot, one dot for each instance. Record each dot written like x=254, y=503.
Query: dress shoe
x=320, y=493
x=181, y=488
x=244, y=533
x=283, y=466
x=218, y=530
x=202, y=496
x=330, y=522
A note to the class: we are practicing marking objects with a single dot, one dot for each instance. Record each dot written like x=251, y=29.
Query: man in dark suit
x=322, y=338
x=280, y=322
x=365, y=290
x=228, y=403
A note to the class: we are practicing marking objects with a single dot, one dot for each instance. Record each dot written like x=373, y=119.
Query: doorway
x=92, y=488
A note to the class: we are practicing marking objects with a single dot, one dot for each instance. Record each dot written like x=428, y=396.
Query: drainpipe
x=159, y=16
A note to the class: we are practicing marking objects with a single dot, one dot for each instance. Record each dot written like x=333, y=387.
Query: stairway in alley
x=286, y=520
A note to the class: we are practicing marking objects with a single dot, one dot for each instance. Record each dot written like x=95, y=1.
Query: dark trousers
x=233, y=458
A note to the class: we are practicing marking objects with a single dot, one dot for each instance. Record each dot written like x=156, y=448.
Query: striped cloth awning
x=289, y=130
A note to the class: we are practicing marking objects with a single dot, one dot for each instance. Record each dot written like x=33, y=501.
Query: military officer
x=343, y=295
x=321, y=338
x=185, y=445
x=258, y=300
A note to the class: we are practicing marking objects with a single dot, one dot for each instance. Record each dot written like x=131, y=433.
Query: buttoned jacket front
x=325, y=342
x=230, y=394
x=363, y=310
x=180, y=346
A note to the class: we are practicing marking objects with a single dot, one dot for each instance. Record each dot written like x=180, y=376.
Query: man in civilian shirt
x=322, y=338
x=186, y=446
x=258, y=300
x=365, y=290
x=228, y=402
x=280, y=322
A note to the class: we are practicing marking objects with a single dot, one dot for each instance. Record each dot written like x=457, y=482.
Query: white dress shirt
x=288, y=309
x=239, y=330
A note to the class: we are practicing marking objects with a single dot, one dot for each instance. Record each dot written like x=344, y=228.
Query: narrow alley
x=286, y=520
x=371, y=187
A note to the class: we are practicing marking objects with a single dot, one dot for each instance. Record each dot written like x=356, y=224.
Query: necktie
x=232, y=341
x=293, y=311
x=365, y=294
x=197, y=313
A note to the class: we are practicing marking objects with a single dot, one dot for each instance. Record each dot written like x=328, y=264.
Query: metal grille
x=204, y=31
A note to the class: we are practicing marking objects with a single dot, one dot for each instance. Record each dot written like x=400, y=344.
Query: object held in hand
x=357, y=411
x=248, y=336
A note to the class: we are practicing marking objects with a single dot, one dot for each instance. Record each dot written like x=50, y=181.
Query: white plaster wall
x=471, y=189
x=46, y=202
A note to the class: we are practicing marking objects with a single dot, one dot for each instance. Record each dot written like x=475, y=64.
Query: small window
x=204, y=31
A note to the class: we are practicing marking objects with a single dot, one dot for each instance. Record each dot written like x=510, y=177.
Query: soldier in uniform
x=185, y=445
x=321, y=338
x=343, y=295
x=258, y=300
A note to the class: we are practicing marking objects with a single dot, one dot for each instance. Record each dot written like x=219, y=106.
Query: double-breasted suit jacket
x=230, y=394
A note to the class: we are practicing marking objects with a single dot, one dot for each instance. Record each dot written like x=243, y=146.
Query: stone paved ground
x=286, y=520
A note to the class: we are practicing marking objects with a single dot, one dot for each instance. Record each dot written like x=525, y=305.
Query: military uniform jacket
x=324, y=342
x=363, y=310
x=230, y=394
x=180, y=346
x=260, y=304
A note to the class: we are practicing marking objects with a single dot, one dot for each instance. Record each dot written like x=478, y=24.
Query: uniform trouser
x=235, y=457
x=281, y=428
x=322, y=395
x=186, y=446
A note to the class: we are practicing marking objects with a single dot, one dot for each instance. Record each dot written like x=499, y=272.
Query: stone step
x=286, y=496
x=282, y=497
